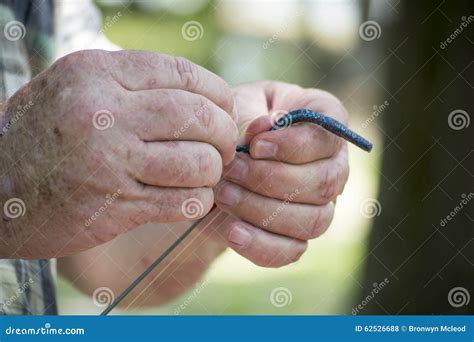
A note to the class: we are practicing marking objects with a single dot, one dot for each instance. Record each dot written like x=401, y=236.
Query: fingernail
x=265, y=149
x=237, y=170
x=239, y=236
x=228, y=195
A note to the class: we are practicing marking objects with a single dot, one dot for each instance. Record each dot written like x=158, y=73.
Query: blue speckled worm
x=299, y=115
x=329, y=124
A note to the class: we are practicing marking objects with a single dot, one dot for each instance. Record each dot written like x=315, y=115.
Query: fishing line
x=293, y=117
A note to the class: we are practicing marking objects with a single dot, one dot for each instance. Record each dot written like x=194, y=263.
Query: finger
x=317, y=183
x=166, y=205
x=182, y=164
x=142, y=70
x=300, y=143
x=180, y=115
x=264, y=248
x=300, y=221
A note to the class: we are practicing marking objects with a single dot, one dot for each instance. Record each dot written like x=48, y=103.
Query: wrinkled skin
x=173, y=131
x=56, y=160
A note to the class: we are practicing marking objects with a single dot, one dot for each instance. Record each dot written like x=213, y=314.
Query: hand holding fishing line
x=300, y=166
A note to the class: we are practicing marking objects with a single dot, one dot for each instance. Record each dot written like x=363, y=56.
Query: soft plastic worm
x=329, y=124
x=299, y=115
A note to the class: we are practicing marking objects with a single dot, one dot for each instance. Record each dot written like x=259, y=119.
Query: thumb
x=257, y=126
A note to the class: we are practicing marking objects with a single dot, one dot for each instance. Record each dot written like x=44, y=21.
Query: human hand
x=110, y=141
x=283, y=193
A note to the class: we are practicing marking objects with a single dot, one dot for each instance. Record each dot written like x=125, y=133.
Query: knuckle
x=227, y=101
x=203, y=113
x=328, y=184
x=209, y=166
x=187, y=71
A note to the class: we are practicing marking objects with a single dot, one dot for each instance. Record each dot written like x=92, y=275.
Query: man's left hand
x=283, y=193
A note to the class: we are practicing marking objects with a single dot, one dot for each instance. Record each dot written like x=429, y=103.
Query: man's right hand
x=103, y=142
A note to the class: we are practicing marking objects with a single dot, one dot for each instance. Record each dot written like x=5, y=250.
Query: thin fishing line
x=293, y=117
